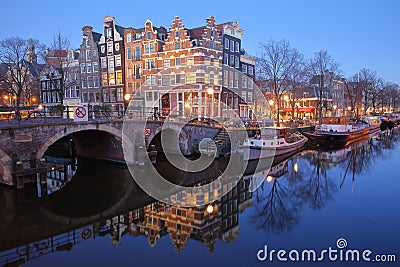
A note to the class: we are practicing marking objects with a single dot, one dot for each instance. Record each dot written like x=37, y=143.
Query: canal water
x=335, y=200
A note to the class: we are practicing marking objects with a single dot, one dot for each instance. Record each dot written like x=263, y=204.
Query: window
x=129, y=53
x=177, y=45
x=66, y=93
x=120, y=94
x=250, y=70
x=212, y=33
x=106, y=97
x=211, y=45
x=232, y=46
x=83, y=82
x=190, y=61
x=237, y=46
x=138, y=53
x=244, y=96
x=206, y=78
x=177, y=78
x=129, y=71
x=129, y=38
x=244, y=81
x=103, y=49
x=149, y=96
x=112, y=79
x=190, y=78
x=226, y=44
x=89, y=67
x=231, y=79
x=109, y=48
x=109, y=32
x=138, y=36
x=165, y=80
x=95, y=67
x=236, y=62
x=232, y=60
x=225, y=78
x=83, y=68
x=153, y=79
x=148, y=35
x=117, y=47
x=166, y=63
x=152, y=50
x=104, y=62
x=177, y=61
x=111, y=63
x=250, y=84
x=225, y=59
x=95, y=81
x=90, y=82
x=215, y=79
x=250, y=97
x=88, y=55
x=146, y=49
x=118, y=61
x=207, y=60
x=244, y=68
x=176, y=34
x=105, y=79
x=119, y=77
x=236, y=80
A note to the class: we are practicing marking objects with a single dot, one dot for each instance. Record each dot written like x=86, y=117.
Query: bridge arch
x=78, y=130
x=171, y=131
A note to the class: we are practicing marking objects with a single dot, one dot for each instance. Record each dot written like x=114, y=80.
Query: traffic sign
x=147, y=131
x=81, y=114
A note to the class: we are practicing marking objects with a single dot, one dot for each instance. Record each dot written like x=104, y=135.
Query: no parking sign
x=81, y=114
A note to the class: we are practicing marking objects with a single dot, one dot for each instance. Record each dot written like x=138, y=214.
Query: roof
x=196, y=33
x=96, y=37
x=120, y=29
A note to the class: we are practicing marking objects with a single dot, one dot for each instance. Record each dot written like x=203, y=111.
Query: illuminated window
x=112, y=79
x=105, y=79
x=119, y=77
x=191, y=78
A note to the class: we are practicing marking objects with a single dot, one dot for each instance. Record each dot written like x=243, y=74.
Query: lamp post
x=210, y=93
x=271, y=103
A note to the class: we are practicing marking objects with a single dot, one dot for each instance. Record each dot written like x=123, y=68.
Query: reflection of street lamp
x=271, y=106
x=334, y=109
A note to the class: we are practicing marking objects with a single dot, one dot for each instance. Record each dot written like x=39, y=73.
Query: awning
x=299, y=109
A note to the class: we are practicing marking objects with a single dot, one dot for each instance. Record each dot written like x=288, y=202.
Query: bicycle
x=14, y=116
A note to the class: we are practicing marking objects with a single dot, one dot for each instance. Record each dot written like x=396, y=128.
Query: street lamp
x=271, y=106
x=210, y=92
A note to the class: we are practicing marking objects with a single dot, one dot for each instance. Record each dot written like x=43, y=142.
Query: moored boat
x=273, y=141
x=337, y=131
x=374, y=123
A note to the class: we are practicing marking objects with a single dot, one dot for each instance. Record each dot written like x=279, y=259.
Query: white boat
x=374, y=123
x=273, y=141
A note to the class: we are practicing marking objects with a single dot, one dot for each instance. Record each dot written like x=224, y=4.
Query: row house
x=89, y=62
x=238, y=73
x=111, y=53
x=184, y=78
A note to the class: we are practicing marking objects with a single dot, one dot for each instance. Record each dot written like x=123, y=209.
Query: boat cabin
x=335, y=120
x=275, y=132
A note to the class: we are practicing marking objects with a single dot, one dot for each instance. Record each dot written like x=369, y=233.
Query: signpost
x=81, y=114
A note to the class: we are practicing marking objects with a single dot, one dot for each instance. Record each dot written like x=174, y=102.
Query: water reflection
x=96, y=206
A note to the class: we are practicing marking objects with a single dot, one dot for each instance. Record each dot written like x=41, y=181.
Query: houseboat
x=273, y=141
x=337, y=131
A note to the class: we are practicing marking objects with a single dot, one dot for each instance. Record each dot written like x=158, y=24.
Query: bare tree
x=297, y=76
x=20, y=58
x=276, y=61
x=59, y=59
x=320, y=64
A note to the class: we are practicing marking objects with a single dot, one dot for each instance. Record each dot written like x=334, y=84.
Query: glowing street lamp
x=210, y=209
x=127, y=97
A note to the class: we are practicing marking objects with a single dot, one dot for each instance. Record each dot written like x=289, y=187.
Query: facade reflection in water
x=308, y=179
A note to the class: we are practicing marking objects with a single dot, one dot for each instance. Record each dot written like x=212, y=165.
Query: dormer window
x=109, y=32
x=148, y=35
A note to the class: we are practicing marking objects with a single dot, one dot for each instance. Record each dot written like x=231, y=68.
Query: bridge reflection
x=95, y=205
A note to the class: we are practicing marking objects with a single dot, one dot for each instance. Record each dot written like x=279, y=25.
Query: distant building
x=112, y=60
x=89, y=62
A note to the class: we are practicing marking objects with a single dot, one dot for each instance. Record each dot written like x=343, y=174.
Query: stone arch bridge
x=95, y=139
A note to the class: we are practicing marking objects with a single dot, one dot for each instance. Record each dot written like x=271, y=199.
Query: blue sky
x=358, y=34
